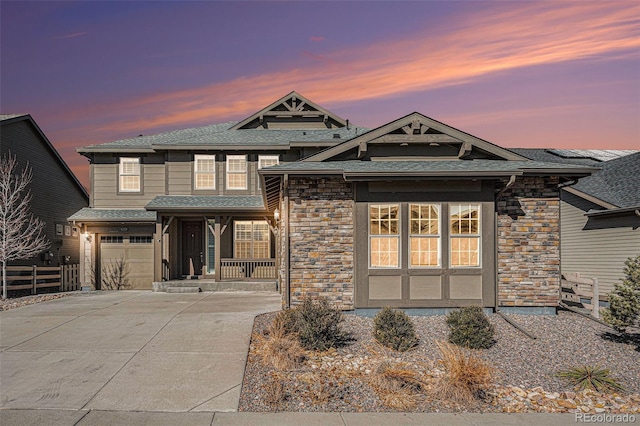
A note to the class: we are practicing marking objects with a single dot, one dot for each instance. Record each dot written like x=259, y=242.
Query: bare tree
x=21, y=233
x=115, y=275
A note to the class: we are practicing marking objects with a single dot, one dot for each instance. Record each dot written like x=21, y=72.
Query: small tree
x=624, y=300
x=21, y=233
x=115, y=275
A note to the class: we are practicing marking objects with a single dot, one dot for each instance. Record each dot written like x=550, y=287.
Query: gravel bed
x=564, y=340
x=6, y=304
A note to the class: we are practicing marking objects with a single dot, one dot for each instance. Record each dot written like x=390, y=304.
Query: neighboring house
x=600, y=214
x=55, y=191
x=412, y=214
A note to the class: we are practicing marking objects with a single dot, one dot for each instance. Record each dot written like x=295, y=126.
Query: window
x=236, y=172
x=204, y=171
x=384, y=236
x=114, y=239
x=252, y=240
x=267, y=160
x=464, y=225
x=129, y=175
x=137, y=239
x=424, y=238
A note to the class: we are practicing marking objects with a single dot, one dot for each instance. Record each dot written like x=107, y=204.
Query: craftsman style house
x=412, y=214
x=55, y=191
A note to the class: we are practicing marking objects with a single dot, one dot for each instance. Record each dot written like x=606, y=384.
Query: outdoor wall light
x=276, y=215
x=87, y=236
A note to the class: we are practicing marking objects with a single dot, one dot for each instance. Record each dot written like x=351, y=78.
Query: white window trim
x=261, y=158
x=437, y=236
x=456, y=236
x=397, y=236
x=252, y=240
x=236, y=157
x=196, y=172
x=122, y=174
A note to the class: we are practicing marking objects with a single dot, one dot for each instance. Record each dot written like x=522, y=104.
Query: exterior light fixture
x=276, y=215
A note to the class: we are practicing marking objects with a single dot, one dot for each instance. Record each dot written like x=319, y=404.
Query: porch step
x=186, y=289
x=189, y=286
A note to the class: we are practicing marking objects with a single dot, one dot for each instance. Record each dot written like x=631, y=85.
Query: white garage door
x=137, y=253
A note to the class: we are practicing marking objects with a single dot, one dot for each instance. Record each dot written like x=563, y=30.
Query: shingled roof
x=617, y=183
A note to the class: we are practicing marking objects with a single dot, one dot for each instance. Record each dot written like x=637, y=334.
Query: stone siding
x=529, y=243
x=321, y=239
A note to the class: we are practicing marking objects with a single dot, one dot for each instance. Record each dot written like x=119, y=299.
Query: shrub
x=317, y=325
x=466, y=378
x=624, y=300
x=470, y=327
x=278, y=347
x=398, y=385
x=394, y=329
x=591, y=377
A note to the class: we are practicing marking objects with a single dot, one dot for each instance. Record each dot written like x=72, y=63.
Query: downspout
x=509, y=184
x=287, y=256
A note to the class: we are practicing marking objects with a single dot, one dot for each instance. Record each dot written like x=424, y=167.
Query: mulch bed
x=341, y=380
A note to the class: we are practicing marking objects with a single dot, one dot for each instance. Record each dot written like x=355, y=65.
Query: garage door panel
x=138, y=257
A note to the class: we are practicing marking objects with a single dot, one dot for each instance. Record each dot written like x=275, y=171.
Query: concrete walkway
x=137, y=357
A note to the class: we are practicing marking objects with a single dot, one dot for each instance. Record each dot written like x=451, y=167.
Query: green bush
x=470, y=327
x=394, y=330
x=317, y=324
x=624, y=300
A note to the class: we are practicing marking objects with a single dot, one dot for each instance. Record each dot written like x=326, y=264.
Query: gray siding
x=55, y=194
x=179, y=175
x=105, y=186
x=596, y=253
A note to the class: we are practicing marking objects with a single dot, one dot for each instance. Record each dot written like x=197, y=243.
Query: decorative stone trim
x=529, y=243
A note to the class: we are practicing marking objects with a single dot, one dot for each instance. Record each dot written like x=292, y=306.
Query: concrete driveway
x=129, y=351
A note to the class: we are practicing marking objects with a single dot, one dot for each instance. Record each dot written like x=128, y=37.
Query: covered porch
x=217, y=243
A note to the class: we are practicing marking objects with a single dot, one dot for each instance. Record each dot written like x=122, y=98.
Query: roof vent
x=336, y=135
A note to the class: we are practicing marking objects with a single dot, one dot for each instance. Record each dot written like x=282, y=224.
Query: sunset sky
x=562, y=74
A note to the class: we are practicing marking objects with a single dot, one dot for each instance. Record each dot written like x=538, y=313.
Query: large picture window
x=129, y=174
x=236, y=172
x=251, y=240
x=424, y=238
x=204, y=171
x=464, y=227
x=384, y=236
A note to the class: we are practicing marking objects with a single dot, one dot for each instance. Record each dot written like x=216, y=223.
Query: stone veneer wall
x=321, y=236
x=529, y=243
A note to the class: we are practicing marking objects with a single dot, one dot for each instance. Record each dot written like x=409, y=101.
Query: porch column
x=216, y=235
x=157, y=251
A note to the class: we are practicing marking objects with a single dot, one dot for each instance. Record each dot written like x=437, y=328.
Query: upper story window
x=236, y=172
x=204, y=171
x=129, y=172
x=267, y=161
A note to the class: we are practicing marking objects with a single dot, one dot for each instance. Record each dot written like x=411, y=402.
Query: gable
x=415, y=137
x=293, y=111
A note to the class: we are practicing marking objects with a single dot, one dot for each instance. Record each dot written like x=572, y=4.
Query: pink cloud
x=501, y=39
x=316, y=38
x=72, y=35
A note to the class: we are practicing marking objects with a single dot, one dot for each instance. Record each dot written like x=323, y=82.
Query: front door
x=192, y=248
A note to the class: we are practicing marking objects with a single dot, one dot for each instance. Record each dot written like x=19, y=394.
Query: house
x=599, y=215
x=56, y=192
x=412, y=214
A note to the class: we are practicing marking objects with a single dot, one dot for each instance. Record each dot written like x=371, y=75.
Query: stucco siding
x=596, y=253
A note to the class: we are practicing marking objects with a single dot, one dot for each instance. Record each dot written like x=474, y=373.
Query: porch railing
x=246, y=269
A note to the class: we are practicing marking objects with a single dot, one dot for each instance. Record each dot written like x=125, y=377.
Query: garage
x=128, y=257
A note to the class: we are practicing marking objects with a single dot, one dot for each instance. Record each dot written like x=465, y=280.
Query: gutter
x=612, y=212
